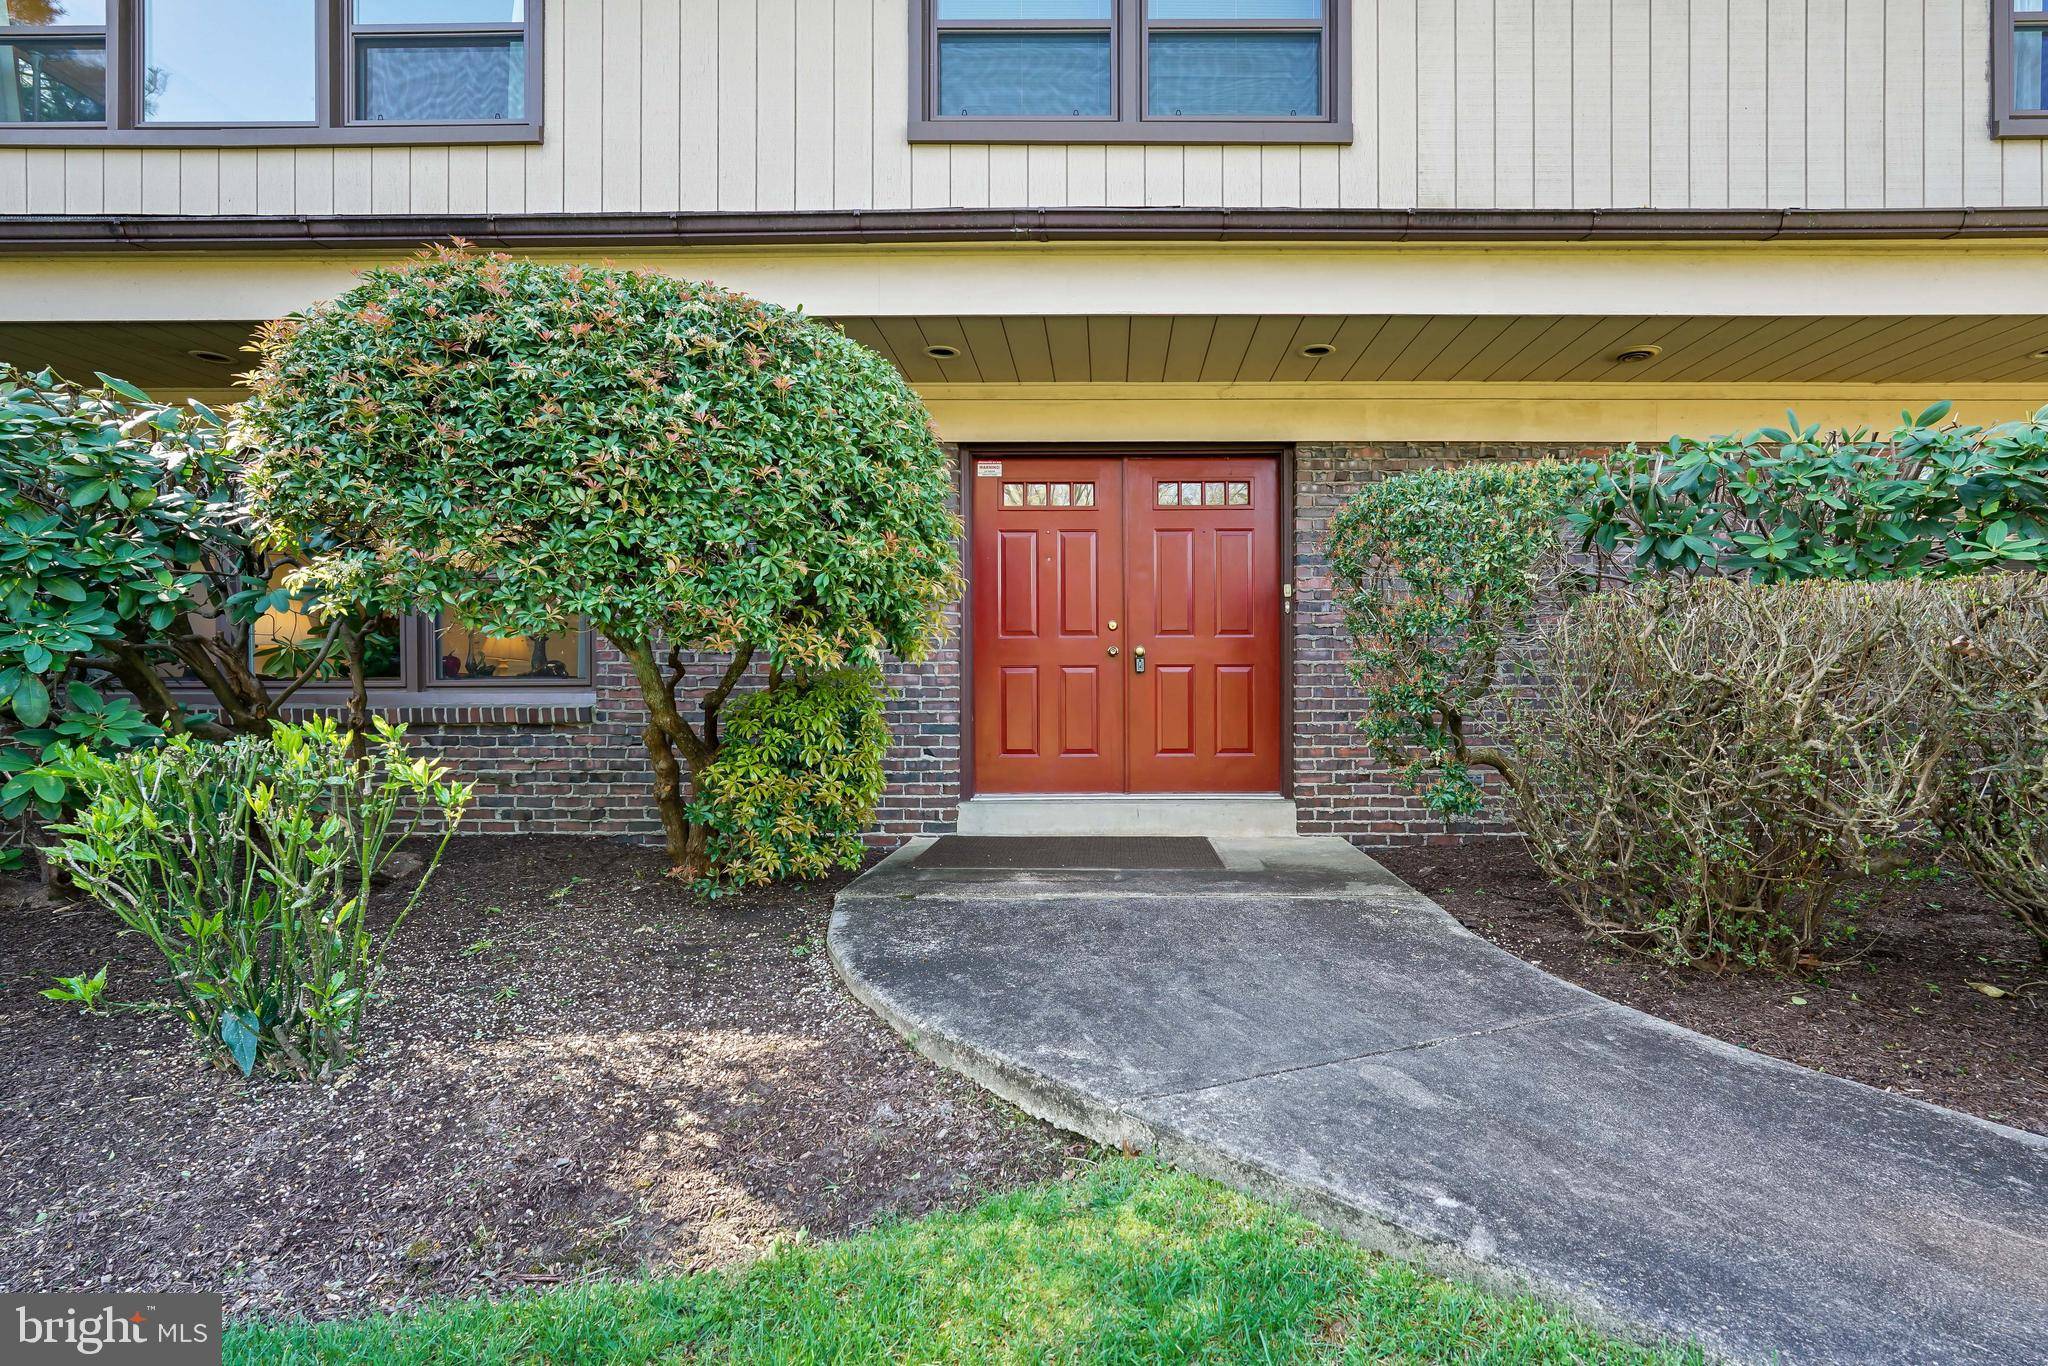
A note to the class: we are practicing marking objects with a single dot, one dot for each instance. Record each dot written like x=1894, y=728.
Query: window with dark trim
x=421, y=660
x=1129, y=71
x=269, y=72
x=2019, y=68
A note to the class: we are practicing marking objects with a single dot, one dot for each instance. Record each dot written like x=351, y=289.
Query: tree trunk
x=678, y=834
x=668, y=736
x=245, y=706
x=136, y=672
x=358, y=696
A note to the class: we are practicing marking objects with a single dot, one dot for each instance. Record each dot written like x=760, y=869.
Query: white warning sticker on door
x=988, y=469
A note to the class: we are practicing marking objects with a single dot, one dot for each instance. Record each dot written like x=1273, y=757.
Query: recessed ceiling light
x=211, y=357
x=1317, y=350
x=1636, y=355
x=2042, y=354
x=942, y=352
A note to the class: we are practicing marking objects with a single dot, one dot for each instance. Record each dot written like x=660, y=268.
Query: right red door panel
x=1202, y=574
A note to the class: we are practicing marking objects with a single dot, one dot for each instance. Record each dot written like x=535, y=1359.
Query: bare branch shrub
x=1703, y=765
x=1991, y=665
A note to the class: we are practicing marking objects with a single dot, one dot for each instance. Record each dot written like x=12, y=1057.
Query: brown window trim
x=334, y=95
x=1129, y=123
x=2006, y=120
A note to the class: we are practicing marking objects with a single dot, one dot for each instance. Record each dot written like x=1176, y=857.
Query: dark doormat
x=1064, y=851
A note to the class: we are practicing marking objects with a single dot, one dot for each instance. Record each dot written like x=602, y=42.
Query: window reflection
x=428, y=12
x=46, y=13
x=286, y=640
x=2030, y=73
x=53, y=81
x=467, y=654
x=229, y=61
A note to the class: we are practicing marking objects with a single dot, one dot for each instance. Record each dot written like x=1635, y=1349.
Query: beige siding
x=657, y=105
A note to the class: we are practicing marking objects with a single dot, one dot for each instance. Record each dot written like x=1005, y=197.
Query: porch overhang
x=1301, y=341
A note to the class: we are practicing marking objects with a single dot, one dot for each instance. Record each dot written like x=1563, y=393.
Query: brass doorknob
x=1138, y=650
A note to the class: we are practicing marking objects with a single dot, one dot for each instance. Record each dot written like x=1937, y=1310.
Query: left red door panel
x=1048, y=556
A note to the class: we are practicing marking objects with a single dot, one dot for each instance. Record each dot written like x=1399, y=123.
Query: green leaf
x=123, y=388
x=241, y=1032
x=31, y=701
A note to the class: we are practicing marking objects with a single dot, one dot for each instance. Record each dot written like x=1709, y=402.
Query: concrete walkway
x=1304, y=1026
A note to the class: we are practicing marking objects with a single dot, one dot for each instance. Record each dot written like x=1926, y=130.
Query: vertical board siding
x=748, y=105
x=1630, y=102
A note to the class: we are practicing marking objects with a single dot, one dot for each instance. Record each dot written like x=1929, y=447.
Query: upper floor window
x=1129, y=71
x=2019, y=70
x=226, y=72
x=56, y=58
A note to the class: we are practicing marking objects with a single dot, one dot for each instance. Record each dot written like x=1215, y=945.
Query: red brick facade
x=584, y=771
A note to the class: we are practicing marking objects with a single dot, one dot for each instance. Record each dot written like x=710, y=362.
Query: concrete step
x=1253, y=817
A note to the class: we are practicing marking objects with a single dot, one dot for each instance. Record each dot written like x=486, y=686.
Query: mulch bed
x=1903, y=1017
x=583, y=1069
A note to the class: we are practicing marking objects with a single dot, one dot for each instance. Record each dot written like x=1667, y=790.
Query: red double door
x=1127, y=621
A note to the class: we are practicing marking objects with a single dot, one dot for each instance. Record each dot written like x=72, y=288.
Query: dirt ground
x=582, y=1068
x=1904, y=1017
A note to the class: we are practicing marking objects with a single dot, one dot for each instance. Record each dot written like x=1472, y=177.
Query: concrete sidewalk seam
x=1505, y=1027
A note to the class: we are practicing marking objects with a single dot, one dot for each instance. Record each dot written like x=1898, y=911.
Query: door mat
x=1108, y=852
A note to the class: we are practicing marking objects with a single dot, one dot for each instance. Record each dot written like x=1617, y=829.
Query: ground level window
x=409, y=655
x=470, y=655
x=286, y=640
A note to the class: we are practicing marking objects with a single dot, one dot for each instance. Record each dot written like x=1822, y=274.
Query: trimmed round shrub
x=797, y=778
x=685, y=469
x=1438, y=573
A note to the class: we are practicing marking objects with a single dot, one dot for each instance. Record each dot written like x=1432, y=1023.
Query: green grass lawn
x=1131, y=1262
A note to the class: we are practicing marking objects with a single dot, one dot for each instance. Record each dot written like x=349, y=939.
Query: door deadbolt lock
x=1114, y=652
x=1112, y=623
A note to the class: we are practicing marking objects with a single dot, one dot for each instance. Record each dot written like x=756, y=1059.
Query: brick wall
x=588, y=775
